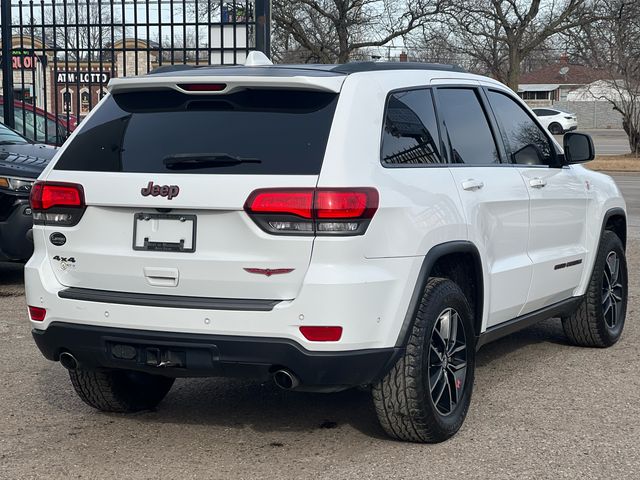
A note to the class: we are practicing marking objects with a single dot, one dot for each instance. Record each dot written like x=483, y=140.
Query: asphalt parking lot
x=541, y=409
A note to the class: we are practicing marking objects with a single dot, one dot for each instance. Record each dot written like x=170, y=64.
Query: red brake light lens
x=55, y=203
x=313, y=211
x=336, y=204
x=203, y=87
x=46, y=195
x=37, y=314
x=290, y=202
x=322, y=334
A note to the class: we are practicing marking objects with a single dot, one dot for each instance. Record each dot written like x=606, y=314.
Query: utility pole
x=263, y=26
x=7, y=64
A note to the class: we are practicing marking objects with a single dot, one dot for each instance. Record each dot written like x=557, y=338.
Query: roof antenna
x=257, y=59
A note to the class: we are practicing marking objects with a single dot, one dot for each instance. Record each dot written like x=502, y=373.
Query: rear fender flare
x=430, y=259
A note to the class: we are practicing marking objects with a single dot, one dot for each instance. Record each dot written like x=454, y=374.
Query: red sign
x=27, y=62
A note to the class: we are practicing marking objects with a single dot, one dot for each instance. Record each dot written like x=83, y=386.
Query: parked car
x=39, y=125
x=325, y=226
x=20, y=164
x=557, y=121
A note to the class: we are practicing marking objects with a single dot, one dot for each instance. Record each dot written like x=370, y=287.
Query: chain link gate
x=58, y=56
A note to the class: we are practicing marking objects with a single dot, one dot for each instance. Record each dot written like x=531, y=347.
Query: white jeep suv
x=325, y=226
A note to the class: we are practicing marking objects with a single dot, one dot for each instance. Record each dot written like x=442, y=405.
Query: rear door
x=494, y=197
x=166, y=175
x=558, y=204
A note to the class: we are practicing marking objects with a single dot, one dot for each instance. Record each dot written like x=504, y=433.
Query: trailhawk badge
x=169, y=191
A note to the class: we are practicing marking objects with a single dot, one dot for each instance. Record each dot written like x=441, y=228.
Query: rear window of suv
x=268, y=132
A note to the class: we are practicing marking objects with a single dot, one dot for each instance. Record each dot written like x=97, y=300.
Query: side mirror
x=578, y=148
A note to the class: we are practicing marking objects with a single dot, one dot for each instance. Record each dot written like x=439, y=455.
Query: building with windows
x=68, y=85
x=553, y=82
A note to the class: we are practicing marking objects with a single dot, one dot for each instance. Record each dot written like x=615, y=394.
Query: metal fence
x=58, y=56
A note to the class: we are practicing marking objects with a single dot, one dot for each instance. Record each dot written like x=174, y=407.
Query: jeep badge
x=169, y=191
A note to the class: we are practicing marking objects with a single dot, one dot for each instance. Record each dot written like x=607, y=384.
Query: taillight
x=322, y=334
x=55, y=203
x=290, y=202
x=313, y=211
x=37, y=314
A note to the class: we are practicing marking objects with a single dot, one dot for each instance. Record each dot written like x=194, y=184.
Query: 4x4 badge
x=168, y=191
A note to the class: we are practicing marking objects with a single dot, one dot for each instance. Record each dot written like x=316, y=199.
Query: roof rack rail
x=170, y=68
x=355, y=67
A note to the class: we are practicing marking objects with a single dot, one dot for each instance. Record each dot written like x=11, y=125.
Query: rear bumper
x=14, y=244
x=368, y=299
x=197, y=355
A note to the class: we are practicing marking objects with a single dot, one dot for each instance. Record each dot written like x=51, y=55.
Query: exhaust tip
x=68, y=361
x=285, y=379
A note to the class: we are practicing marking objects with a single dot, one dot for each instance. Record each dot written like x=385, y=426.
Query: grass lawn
x=615, y=163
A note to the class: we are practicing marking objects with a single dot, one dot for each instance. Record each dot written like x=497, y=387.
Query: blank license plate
x=164, y=232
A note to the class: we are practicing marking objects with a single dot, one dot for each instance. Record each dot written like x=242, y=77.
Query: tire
x=599, y=319
x=121, y=391
x=406, y=398
x=556, y=129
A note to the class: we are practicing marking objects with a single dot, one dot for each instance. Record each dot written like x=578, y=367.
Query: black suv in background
x=20, y=164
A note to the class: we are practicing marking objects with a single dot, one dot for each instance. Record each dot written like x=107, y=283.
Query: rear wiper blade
x=204, y=160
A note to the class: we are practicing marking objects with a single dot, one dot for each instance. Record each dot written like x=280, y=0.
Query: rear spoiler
x=229, y=83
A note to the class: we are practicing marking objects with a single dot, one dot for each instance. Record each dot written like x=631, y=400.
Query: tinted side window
x=410, y=133
x=543, y=112
x=525, y=140
x=470, y=136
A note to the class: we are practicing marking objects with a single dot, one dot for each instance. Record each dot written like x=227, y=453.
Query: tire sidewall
x=446, y=297
x=609, y=243
x=556, y=129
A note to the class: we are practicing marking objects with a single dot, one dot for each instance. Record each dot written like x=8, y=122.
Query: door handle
x=472, y=185
x=537, y=182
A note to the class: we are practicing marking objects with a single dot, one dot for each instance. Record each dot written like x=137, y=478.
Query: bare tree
x=500, y=34
x=328, y=31
x=79, y=28
x=440, y=45
x=204, y=10
x=613, y=44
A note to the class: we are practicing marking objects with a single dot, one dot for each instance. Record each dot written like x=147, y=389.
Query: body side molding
x=563, y=307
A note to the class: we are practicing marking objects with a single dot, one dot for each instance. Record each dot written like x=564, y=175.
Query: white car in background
x=556, y=121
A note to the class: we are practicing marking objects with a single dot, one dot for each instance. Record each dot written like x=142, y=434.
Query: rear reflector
x=37, y=314
x=309, y=211
x=55, y=203
x=322, y=334
x=203, y=87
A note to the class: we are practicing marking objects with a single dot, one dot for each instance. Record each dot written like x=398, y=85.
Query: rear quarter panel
x=419, y=207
